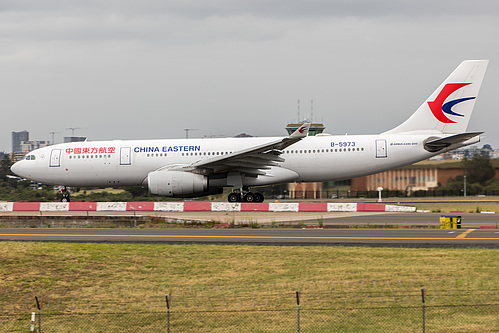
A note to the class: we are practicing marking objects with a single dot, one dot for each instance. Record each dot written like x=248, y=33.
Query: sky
x=123, y=69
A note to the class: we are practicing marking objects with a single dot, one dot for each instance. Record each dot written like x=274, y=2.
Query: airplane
x=199, y=167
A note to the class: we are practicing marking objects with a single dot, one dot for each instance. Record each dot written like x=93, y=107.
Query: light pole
x=464, y=185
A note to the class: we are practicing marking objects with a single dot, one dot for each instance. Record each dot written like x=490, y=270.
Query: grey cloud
x=148, y=69
x=265, y=8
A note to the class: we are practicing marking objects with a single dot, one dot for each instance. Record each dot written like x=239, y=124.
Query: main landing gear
x=65, y=194
x=245, y=196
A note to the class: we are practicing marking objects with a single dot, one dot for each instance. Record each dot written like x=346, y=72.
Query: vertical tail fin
x=448, y=109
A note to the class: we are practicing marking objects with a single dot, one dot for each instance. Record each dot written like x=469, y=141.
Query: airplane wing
x=438, y=144
x=250, y=161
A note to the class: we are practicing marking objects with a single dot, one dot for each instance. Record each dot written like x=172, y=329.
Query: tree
x=137, y=191
x=5, y=165
x=479, y=169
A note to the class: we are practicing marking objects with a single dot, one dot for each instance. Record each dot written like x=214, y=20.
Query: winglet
x=301, y=132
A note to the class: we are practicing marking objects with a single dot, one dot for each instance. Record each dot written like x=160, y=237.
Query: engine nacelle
x=176, y=183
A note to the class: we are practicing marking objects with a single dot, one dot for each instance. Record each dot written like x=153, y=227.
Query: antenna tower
x=298, y=104
x=311, y=110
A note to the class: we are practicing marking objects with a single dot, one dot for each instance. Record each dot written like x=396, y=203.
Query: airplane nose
x=17, y=168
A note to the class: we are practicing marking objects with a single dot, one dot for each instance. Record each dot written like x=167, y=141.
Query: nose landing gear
x=65, y=194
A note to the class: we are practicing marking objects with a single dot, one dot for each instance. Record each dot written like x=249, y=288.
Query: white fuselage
x=197, y=167
x=313, y=159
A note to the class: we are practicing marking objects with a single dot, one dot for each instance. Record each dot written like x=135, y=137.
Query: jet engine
x=176, y=183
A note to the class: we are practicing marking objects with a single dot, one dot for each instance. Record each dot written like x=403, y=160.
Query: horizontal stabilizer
x=439, y=144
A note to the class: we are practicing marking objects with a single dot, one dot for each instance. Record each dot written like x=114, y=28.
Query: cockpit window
x=30, y=157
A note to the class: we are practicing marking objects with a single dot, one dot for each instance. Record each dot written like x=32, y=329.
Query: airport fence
x=337, y=194
x=463, y=306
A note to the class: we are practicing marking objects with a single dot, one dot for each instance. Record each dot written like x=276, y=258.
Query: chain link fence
x=354, y=194
x=461, y=306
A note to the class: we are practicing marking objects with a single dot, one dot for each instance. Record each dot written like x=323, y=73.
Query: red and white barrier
x=199, y=206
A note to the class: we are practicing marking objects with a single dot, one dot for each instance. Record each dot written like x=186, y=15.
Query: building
x=27, y=146
x=467, y=152
x=17, y=138
x=74, y=139
x=17, y=156
x=425, y=175
x=315, y=129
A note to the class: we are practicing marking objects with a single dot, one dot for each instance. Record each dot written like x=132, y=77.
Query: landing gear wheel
x=234, y=197
x=249, y=197
x=259, y=197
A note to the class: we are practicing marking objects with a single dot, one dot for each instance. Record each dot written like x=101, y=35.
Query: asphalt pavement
x=487, y=238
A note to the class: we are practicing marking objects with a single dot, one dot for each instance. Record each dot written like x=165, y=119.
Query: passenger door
x=125, y=156
x=55, y=158
x=381, y=148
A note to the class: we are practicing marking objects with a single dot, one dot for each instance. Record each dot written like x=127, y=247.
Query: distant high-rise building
x=17, y=138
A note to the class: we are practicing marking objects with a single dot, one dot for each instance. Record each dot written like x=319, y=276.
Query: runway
x=488, y=238
x=336, y=219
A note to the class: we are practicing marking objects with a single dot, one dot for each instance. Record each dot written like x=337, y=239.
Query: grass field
x=469, y=207
x=93, y=268
x=90, y=278
x=444, y=204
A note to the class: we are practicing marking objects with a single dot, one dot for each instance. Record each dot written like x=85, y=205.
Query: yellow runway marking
x=253, y=237
x=466, y=233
